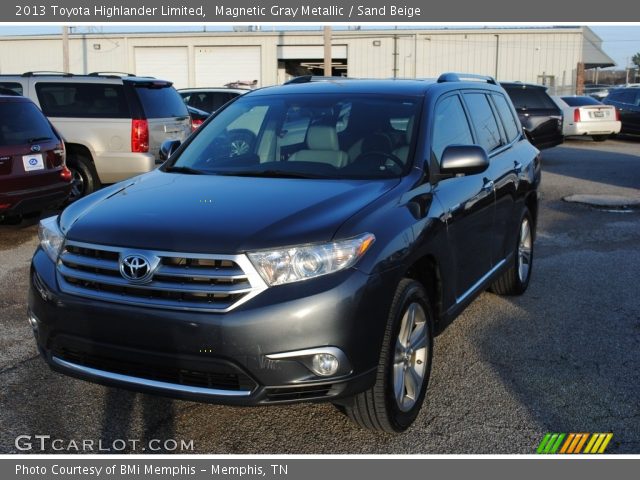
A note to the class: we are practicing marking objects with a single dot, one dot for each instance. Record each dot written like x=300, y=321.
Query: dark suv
x=33, y=175
x=538, y=113
x=627, y=101
x=314, y=263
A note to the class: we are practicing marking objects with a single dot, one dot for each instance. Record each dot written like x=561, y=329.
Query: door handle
x=488, y=185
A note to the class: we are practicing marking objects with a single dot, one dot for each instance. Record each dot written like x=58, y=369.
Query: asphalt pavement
x=564, y=357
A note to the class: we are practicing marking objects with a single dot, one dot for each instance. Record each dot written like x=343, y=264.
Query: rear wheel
x=84, y=177
x=599, y=138
x=515, y=280
x=394, y=401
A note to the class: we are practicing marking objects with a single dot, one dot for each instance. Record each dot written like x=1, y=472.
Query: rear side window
x=218, y=99
x=161, y=102
x=450, y=126
x=13, y=86
x=84, y=100
x=530, y=98
x=508, y=121
x=21, y=123
x=484, y=121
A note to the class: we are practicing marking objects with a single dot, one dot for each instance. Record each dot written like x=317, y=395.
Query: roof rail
x=111, y=74
x=314, y=78
x=459, y=77
x=46, y=72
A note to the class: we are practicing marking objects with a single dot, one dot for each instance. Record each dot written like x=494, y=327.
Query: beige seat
x=322, y=147
x=402, y=152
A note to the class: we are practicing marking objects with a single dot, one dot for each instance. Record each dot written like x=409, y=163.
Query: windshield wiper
x=187, y=170
x=271, y=174
x=38, y=139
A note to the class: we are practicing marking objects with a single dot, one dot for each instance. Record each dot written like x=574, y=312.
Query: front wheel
x=394, y=401
x=515, y=280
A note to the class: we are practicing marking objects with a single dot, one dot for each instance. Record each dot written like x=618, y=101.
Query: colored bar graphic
x=573, y=443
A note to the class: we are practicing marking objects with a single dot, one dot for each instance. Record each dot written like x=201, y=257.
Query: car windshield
x=306, y=136
x=580, y=101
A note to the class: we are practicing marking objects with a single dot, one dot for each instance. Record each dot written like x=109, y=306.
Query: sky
x=620, y=42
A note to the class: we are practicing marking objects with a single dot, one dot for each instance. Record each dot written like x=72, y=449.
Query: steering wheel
x=240, y=141
x=382, y=156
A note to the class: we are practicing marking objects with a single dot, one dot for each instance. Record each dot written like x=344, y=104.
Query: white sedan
x=587, y=116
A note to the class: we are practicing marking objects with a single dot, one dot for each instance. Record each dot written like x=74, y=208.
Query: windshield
x=310, y=136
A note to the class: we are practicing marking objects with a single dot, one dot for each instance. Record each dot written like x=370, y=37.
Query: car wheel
x=599, y=138
x=515, y=280
x=394, y=401
x=84, y=177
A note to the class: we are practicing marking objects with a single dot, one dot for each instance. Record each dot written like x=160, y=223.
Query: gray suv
x=112, y=125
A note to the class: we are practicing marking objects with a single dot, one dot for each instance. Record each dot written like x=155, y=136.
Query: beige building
x=207, y=59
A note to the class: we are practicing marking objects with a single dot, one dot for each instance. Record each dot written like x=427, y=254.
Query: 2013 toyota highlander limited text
x=305, y=244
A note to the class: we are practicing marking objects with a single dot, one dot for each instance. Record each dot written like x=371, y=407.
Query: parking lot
x=562, y=358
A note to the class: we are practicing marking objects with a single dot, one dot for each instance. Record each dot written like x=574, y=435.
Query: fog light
x=33, y=321
x=324, y=364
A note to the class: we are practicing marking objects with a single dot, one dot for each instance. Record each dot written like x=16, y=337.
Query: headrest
x=322, y=137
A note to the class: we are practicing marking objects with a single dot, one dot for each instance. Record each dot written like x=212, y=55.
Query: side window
x=509, y=123
x=14, y=86
x=483, y=120
x=450, y=126
x=82, y=100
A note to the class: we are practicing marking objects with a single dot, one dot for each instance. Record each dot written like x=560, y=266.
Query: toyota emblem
x=136, y=268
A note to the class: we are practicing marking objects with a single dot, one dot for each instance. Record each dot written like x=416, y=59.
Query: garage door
x=217, y=66
x=166, y=63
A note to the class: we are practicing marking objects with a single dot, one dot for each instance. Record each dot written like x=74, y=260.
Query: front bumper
x=219, y=358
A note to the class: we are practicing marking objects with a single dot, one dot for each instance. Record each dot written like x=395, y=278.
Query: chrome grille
x=181, y=281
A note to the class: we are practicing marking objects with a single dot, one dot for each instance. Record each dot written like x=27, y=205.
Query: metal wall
x=511, y=54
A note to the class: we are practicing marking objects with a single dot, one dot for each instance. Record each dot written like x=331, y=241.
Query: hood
x=217, y=214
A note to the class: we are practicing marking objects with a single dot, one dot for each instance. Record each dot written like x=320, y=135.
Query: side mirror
x=167, y=148
x=463, y=160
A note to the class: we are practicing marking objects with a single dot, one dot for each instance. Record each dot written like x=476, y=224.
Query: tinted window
x=162, y=102
x=14, y=86
x=22, y=123
x=580, y=101
x=218, y=99
x=508, y=121
x=450, y=126
x=530, y=98
x=484, y=121
x=82, y=100
x=301, y=135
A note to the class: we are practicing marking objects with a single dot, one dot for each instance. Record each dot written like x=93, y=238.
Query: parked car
x=540, y=116
x=627, y=101
x=597, y=91
x=315, y=271
x=198, y=117
x=210, y=99
x=33, y=175
x=112, y=125
x=586, y=116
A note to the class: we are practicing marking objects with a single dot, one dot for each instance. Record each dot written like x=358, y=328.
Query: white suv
x=112, y=125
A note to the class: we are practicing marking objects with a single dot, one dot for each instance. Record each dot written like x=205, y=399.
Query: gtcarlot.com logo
x=45, y=443
x=568, y=443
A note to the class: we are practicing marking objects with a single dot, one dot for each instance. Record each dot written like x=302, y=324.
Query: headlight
x=51, y=238
x=308, y=261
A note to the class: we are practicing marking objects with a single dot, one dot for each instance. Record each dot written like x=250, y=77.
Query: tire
x=85, y=177
x=599, y=138
x=381, y=408
x=515, y=280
